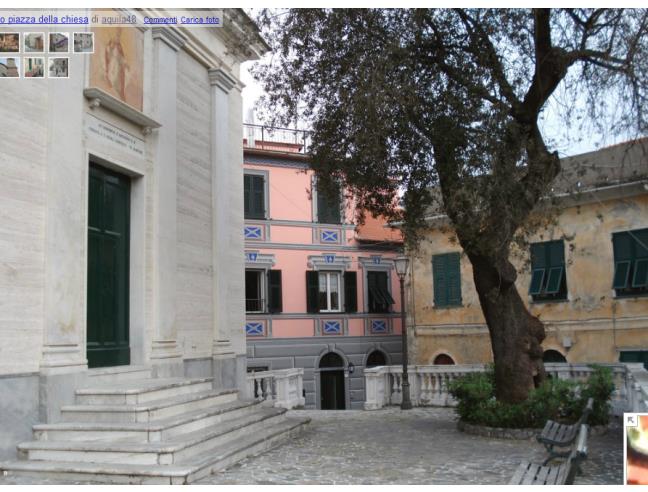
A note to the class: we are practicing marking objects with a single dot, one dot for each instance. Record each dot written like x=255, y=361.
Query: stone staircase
x=136, y=430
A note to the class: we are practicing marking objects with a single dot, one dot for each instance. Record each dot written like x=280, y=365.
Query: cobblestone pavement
x=420, y=446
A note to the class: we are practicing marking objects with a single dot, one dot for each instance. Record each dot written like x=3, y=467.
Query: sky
x=570, y=142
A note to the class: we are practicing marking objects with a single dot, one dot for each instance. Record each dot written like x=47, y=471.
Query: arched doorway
x=443, y=360
x=553, y=356
x=376, y=358
x=332, y=394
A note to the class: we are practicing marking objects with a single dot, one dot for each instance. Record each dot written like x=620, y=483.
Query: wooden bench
x=561, y=474
x=555, y=435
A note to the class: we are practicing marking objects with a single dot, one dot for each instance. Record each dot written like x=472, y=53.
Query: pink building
x=321, y=293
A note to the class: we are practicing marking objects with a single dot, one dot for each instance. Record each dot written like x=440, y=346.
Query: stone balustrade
x=280, y=388
x=429, y=384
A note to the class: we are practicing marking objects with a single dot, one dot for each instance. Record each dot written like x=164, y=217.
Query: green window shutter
x=641, y=243
x=453, y=271
x=328, y=208
x=350, y=292
x=640, y=277
x=312, y=291
x=537, y=277
x=622, y=243
x=555, y=254
x=554, y=280
x=247, y=190
x=275, y=304
x=439, y=279
x=621, y=271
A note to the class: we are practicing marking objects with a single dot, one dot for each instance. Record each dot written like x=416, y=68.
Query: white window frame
x=329, y=274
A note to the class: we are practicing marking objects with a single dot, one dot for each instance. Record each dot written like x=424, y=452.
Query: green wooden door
x=108, y=247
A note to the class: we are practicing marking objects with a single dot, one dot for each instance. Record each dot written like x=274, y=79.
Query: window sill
x=449, y=306
x=548, y=301
x=630, y=296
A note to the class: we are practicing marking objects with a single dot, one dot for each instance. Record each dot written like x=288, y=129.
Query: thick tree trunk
x=515, y=334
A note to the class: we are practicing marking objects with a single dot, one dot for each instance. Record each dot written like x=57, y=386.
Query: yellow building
x=585, y=275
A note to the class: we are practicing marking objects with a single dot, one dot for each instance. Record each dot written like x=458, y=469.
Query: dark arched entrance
x=376, y=358
x=444, y=360
x=332, y=395
x=553, y=356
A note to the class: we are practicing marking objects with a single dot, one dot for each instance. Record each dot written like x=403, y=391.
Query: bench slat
x=530, y=476
x=553, y=475
x=519, y=473
x=542, y=475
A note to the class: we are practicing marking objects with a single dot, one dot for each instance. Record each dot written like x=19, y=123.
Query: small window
x=329, y=208
x=329, y=292
x=548, y=279
x=630, y=263
x=379, y=299
x=444, y=360
x=254, y=199
x=263, y=291
x=634, y=356
x=376, y=358
x=254, y=291
x=553, y=356
x=446, y=271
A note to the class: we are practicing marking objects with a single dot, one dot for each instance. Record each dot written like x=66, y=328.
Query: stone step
x=106, y=375
x=149, y=411
x=214, y=460
x=140, y=391
x=178, y=449
x=144, y=431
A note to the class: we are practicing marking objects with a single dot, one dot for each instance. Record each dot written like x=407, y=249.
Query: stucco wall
x=597, y=323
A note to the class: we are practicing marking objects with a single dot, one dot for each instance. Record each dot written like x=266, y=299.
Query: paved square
x=420, y=446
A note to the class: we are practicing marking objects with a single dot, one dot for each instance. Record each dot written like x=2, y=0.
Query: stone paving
x=420, y=446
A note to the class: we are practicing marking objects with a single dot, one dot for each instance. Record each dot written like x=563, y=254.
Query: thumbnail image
x=636, y=427
x=9, y=67
x=59, y=42
x=34, y=67
x=59, y=68
x=84, y=42
x=34, y=42
x=9, y=42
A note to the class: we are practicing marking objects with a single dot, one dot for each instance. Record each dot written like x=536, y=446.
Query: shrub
x=555, y=399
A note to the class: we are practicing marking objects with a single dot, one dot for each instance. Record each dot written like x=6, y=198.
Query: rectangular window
x=254, y=291
x=548, y=276
x=263, y=291
x=329, y=292
x=630, y=263
x=446, y=271
x=328, y=208
x=379, y=299
x=254, y=198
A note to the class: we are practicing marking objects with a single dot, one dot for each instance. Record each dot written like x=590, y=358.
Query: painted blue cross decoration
x=254, y=329
x=252, y=232
x=331, y=327
x=378, y=326
x=251, y=256
x=329, y=236
x=329, y=258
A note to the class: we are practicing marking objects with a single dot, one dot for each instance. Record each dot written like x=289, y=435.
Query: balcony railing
x=253, y=305
x=429, y=384
x=277, y=139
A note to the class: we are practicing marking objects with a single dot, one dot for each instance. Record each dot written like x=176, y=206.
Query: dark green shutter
x=254, y=196
x=274, y=291
x=440, y=279
x=453, y=272
x=622, y=242
x=312, y=292
x=621, y=271
x=350, y=292
x=328, y=208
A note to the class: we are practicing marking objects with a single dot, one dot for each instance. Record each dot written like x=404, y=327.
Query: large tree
x=451, y=99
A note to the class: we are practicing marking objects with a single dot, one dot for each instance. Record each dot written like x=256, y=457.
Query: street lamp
x=401, y=263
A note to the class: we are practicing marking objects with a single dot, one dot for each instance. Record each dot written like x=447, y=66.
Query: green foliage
x=555, y=399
